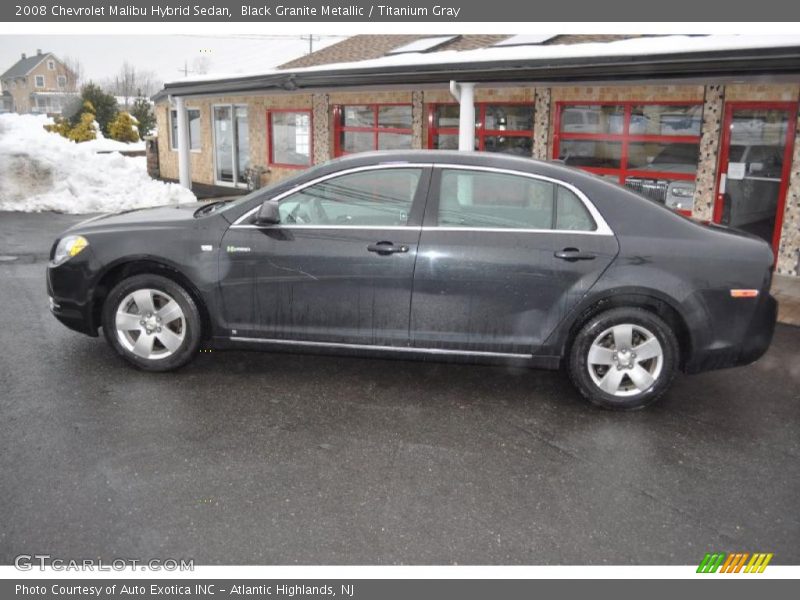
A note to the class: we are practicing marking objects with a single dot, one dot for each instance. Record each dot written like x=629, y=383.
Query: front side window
x=366, y=127
x=652, y=148
x=505, y=128
x=39, y=81
x=373, y=198
x=193, y=116
x=51, y=65
x=485, y=200
x=290, y=138
x=62, y=81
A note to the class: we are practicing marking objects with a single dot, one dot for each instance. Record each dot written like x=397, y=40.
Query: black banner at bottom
x=386, y=589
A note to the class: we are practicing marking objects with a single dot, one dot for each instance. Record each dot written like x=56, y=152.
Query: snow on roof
x=524, y=40
x=423, y=45
x=668, y=44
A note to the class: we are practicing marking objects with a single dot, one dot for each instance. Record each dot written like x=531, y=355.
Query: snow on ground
x=104, y=144
x=42, y=171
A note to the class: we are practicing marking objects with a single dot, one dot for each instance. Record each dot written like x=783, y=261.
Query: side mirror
x=268, y=214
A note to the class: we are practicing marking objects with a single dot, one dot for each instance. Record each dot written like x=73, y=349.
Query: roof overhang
x=709, y=65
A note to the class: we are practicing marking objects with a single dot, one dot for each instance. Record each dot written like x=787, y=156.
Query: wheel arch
x=650, y=300
x=129, y=267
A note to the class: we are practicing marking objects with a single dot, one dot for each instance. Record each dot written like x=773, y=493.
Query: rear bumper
x=759, y=334
x=739, y=338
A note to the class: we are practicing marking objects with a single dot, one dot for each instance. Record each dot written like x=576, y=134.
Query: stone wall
x=706, y=181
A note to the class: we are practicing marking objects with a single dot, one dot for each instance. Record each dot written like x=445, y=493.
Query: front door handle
x=573, y=254
x=386, y=248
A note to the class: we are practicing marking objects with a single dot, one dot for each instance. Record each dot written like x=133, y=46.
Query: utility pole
x=311, y=39
x=185, y=70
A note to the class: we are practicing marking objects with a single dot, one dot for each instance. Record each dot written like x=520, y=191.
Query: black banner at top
x=404, y=11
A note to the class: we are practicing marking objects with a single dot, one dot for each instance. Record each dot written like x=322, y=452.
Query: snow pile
x=104, y=144
x=44, y=171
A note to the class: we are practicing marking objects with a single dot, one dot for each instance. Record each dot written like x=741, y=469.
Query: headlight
x=682, y=191
x=68, y=247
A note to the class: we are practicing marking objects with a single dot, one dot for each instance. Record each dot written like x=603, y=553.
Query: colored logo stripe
x=759, y=561
x=734, y=562
x=711, y=562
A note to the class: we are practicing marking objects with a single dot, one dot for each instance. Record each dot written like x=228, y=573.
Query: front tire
x=624, y=359
x=152, y=322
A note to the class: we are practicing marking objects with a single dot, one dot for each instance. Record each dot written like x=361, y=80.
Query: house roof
x=643, y=58
x=24, y=66
x=368, y=47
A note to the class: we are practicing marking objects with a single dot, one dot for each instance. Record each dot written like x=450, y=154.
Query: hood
x=146, y=216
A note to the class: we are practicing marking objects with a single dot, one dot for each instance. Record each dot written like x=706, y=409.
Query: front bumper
x=69, y=295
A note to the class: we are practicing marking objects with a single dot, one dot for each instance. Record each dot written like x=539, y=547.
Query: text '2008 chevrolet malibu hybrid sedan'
x=458, y=256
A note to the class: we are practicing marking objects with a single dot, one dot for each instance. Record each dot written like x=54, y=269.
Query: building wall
x=202, y=160
x=543, y=99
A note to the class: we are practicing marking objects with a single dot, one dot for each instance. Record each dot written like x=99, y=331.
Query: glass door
x=231, y=145
x=755, y=161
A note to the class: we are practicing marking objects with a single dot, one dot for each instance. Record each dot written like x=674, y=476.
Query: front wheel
x=152, y=322
x=624, y=358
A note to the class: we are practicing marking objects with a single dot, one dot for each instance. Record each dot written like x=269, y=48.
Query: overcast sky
x=102, y=55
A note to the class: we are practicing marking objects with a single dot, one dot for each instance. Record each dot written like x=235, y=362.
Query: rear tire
x=623, y=359
x=152, y=322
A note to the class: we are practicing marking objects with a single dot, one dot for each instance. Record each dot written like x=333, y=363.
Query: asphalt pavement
x=255, y=458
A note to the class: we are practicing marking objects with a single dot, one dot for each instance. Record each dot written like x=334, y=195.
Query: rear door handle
x=573, y=254
x=386, y=248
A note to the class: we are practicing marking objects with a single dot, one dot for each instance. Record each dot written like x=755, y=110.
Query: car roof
x=454, y=157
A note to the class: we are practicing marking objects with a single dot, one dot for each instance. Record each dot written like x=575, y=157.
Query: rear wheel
x=624, y=358
x=152, y=322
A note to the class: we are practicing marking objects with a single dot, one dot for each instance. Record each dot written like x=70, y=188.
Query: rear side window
x=381, y=197
x=486, y=200
x=571, y=213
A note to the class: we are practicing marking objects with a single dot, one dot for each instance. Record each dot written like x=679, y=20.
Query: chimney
x=23, y=56
x=38, y=52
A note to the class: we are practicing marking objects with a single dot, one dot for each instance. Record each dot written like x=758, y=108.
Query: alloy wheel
x=625, y=360
x=150, y=324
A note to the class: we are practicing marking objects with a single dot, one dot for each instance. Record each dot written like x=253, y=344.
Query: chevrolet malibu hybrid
x=457, y=256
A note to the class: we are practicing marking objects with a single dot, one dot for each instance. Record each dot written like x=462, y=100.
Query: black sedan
x=430, y=255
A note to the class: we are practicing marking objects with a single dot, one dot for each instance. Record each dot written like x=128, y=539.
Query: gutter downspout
x=184, y=165
x=465, y=94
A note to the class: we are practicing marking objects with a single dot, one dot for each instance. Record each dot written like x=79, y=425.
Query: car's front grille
x=652, y=188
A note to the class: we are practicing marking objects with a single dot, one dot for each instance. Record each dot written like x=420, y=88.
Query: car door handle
x=386, y=248
x=573, y=254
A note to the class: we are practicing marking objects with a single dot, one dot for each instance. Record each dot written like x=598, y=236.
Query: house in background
x=38, y=84
x=706, y=124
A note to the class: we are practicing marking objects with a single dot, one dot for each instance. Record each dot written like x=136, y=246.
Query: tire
x=163, y=333
x=629, y=379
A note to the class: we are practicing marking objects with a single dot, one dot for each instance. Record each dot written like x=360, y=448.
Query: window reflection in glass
x=291, y=138
x=593, y=119
x=591, y=153
x=394, y=117
x=657, y=119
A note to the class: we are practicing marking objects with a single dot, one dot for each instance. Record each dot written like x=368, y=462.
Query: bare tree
x=130, y=83
x=76, y=68
x=201, y=65
x=125, y=83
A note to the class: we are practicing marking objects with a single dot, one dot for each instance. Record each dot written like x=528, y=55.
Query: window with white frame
x=62, y=81
x=193, y=116
x=51, y=65
x=39, y=81
x=290, y=137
